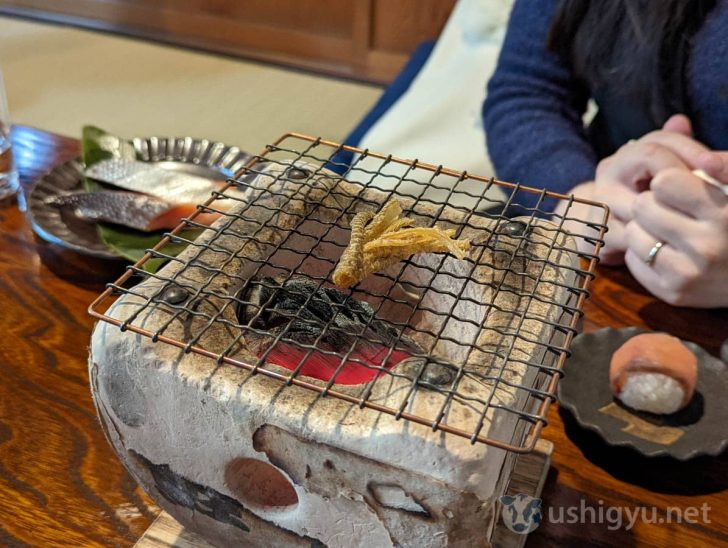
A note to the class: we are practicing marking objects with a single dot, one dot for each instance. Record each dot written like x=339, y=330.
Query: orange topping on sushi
x=654, y=353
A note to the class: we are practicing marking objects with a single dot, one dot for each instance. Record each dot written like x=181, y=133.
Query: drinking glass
x=8, y=173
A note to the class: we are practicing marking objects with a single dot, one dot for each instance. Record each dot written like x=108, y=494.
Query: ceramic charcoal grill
x=181, y=371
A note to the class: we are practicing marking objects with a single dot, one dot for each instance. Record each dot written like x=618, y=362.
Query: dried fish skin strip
x=399, y=224
x=416, y=240
x=383, y=220
x=388, y=239
x=351, y=262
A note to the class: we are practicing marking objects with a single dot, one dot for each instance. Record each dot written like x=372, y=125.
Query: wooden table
x=61, y=484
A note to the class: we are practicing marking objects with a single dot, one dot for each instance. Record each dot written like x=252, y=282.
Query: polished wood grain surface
x=61, y=484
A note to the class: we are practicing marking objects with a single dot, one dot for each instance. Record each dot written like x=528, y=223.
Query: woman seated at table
x=658, y=72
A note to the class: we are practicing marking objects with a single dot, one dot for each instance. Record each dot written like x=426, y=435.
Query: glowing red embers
x=324, y=366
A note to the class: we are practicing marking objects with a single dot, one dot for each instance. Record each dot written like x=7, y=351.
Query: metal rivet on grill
x=298, y=174
x=434, y=374
x=514, y=228
x=438, y=374
x=175, y=295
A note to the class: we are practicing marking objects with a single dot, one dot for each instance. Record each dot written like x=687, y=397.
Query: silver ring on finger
x=650, y=259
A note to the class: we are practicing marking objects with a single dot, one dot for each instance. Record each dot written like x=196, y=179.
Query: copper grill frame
x=547, y=395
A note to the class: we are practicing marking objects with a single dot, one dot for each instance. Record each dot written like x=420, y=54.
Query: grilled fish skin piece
x=381, y=240
x=130, y=209
x=146, y=178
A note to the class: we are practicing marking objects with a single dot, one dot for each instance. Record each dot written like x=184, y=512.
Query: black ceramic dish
x=701, y=428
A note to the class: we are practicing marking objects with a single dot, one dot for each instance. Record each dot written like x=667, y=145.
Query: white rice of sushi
x=653, y=392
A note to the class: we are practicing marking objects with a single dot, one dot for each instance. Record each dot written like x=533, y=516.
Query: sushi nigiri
x=654, y=372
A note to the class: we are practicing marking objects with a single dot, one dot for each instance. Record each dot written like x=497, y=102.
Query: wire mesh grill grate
x=456, y=345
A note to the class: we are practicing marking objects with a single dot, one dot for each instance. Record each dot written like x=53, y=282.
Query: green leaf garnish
x=98, y=145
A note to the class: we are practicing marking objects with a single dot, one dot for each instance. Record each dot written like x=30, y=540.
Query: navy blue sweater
x=533, y=111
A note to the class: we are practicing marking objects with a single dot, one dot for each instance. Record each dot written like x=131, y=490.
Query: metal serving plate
x=210, y=159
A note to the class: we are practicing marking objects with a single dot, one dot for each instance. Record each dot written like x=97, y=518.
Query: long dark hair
x=642, y=46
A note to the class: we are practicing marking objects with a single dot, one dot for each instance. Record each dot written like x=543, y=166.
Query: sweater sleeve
x=533, y=110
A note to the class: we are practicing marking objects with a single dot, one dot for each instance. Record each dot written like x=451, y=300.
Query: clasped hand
x=653, y=197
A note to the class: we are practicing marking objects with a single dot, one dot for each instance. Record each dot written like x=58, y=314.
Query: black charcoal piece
x=301, y=308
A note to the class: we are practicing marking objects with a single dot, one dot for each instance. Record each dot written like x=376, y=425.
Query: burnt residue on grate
x=449, y=343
